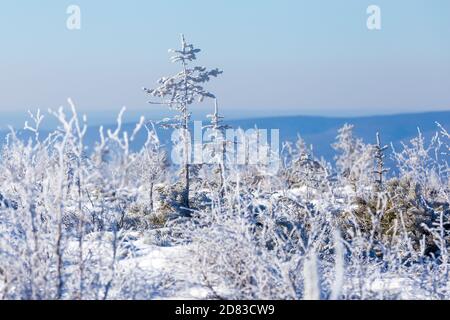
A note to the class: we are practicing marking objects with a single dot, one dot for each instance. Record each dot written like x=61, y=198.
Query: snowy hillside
x=109, y=213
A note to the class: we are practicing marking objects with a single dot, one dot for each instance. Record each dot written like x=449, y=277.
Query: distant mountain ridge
x=316, y=130
x=321, y=131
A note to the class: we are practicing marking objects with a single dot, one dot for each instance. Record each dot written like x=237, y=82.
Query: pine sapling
x=178, y=92
x=218, y=131
x=379, y=159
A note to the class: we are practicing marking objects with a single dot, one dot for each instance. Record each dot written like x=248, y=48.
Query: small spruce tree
x=179, y=92
x=220, y=143
x=380, y=170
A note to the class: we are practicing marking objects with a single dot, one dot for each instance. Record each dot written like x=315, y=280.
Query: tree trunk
x=151, y=197
x=187, y=154
x=186, y=190
x=221, y=181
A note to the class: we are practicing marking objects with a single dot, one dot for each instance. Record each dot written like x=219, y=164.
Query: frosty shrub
x=73, y=219
x=66, y=216
x=279, y=237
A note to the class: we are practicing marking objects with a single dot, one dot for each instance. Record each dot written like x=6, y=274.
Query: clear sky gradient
x=279, y=57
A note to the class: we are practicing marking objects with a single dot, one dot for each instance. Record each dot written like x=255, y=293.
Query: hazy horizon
x=17, y=120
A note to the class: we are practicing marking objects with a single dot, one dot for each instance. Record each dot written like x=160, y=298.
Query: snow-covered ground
x=113, y=224
x=160, y=262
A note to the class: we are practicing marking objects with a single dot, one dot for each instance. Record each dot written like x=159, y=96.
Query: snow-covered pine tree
x=301, y=168
x=354, y=161
x=217, y=131
x=380, y=170
x=153, y=162
x=179, y=92
x=348, y=147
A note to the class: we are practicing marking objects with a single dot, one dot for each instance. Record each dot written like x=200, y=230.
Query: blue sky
x=279, y=57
